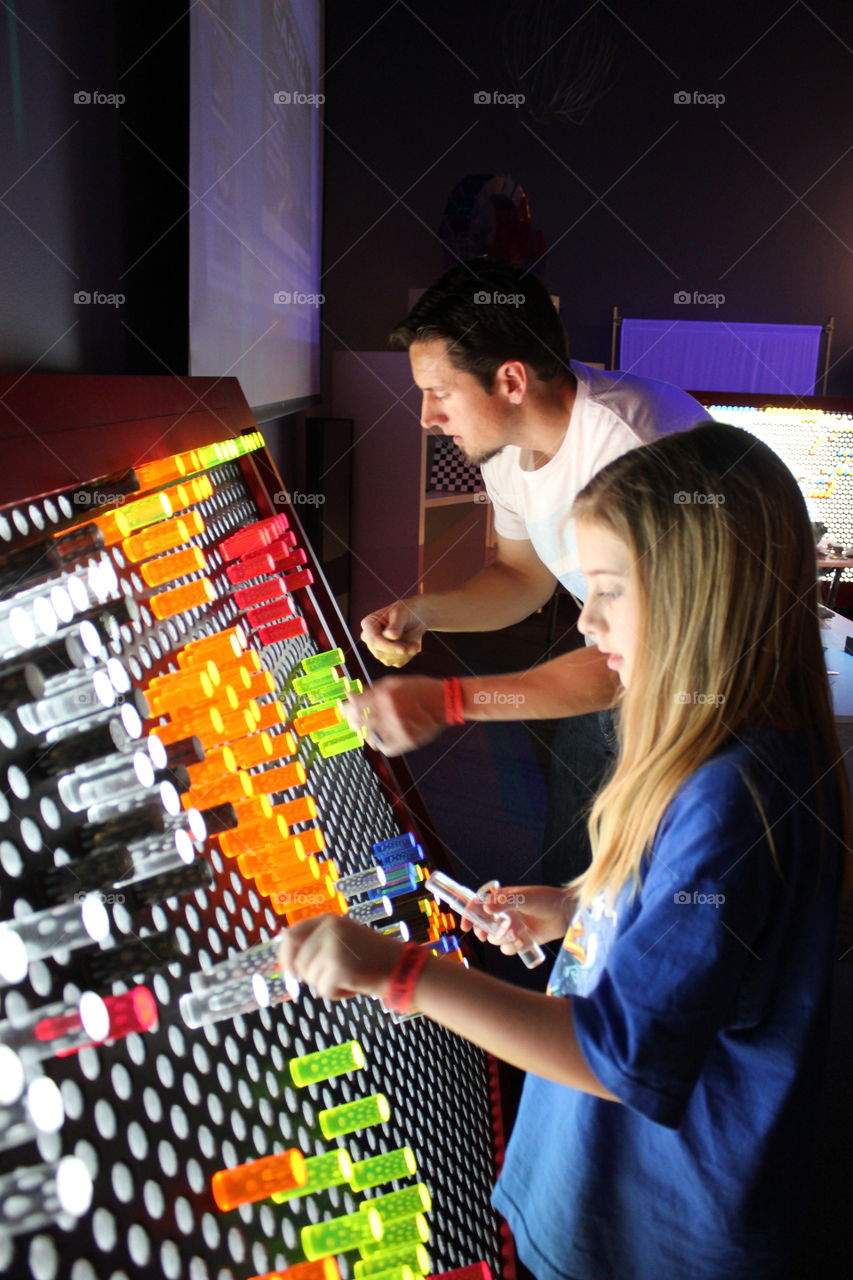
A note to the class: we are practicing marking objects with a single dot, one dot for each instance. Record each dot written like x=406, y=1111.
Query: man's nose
x=430, y=414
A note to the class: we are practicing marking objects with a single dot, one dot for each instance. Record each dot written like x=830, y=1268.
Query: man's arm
x=506, y=591
x=404, y=712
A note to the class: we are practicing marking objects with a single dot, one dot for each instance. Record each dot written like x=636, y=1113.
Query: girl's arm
x=340, y=958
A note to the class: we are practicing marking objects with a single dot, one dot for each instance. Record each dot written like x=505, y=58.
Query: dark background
x=642, y=198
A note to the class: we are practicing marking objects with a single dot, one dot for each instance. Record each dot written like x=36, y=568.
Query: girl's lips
x=613, y=660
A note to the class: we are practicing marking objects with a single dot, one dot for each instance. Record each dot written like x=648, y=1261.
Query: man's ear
x=513, y=379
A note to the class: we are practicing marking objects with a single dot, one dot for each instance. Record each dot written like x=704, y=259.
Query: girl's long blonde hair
x=724, y=567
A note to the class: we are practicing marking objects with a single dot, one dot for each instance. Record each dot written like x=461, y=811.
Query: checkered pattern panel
x=447, y=470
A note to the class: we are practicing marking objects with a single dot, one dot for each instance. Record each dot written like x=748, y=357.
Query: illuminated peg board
x=155, y=1115
x=818, y=448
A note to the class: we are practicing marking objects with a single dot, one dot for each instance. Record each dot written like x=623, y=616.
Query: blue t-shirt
x=701, y=1002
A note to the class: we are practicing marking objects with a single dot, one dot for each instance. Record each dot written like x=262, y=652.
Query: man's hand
x=338, y=957
x=393, y=634
x=399, y=713
x=544, y=909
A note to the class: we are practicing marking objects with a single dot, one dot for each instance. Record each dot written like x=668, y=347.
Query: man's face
x=456, y=404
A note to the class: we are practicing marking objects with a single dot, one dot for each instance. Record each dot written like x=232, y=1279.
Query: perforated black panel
x=155, y=1115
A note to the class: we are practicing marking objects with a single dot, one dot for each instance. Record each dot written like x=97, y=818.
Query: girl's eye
x=608, y=595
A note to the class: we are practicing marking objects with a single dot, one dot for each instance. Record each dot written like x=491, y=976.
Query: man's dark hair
x=489, y=312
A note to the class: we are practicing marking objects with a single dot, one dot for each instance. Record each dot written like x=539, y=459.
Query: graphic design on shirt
x=585, y=948
x=555, y=543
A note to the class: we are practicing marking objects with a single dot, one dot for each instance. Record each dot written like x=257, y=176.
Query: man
x=490, y=356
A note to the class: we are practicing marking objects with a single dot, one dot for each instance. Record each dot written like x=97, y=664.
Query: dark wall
x=93, y=162
x=646, y=197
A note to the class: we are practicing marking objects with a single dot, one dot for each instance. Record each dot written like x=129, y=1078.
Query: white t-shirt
x=612, y=413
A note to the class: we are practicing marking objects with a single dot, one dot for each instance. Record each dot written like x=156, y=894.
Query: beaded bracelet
x=453, y=713
x=404, y=977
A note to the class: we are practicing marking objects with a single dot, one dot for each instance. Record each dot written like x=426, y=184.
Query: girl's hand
x=338, y=957
x=399, y=713
x=545, y=909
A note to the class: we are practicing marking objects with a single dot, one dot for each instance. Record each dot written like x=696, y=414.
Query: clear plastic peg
x=120, y=779
x=362, y=882
x=38, y=1110
x=469, y=905
x=37, y=1196
x=262, y=959
x=369, y=912
x=66, y=927
x=84, y=698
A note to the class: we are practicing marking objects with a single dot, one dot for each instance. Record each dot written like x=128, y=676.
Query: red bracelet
x=404, y=977
x=453, y=701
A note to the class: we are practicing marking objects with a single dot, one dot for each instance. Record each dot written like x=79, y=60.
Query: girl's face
x=611, y=616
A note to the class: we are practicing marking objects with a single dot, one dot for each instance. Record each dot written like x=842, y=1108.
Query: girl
x=674, y=1064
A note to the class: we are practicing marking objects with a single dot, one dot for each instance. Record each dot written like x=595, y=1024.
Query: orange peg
x=165, y=536
x=249, y=658
x=262, y=681
x=313, y=721
x=123, y=521
x=258, y=1179
x=254, y=750
x=202, y=488
x=288, y=858
x=189, y=492
x=283, y=745
x=236, y=786
x=287, y=854
x=313, y=840
x=228, y=699
x=273, y=713
x=239, y=701
x=283, y=778
x=153, y=474
x=173, y=679
x=303, y=809
x=169, y=568
x=192, y=462
x=322, y=1269
x=212, y=767
x=251, y=864
x=257, y=839
x=178, y=699
x=298, y=875
x=191, y=686
x=253, y=809
x=239, y=723
x=239, y=678
x=205, y=723
x=192, y=596
x=222, y=648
